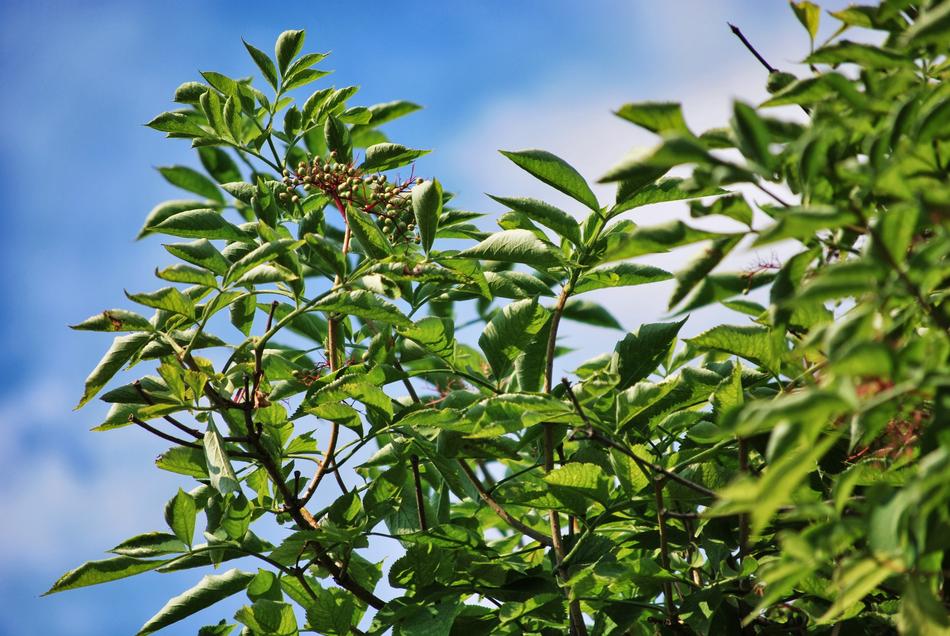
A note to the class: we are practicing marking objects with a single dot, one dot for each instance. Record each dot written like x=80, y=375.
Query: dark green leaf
x=427, y=207
x=211, y=589
x=555, y=172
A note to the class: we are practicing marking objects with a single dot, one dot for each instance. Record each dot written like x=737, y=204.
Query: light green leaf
x=205, y=223
x=95, y=572
x=273, y=618
x=658, y=117
x=121, y=351
x=201, y=253
x=546, y=214
x=589, y=313
x=180, y=512
x=427, y=207
x=180, y=273
x=211, y=589
x=387, y=156
x=261, y=254
x=222, y=474
x=516, y=246
x=555, y=172
x=809, y=14
x=619, y=275
x=167, y=298
x=164, y=210
x=151, y=544
x=264, y=63
x=114, y=320
x=642, y=351
x=662, y=191
x=845, y=51
x=191, y=180
x=754, y=343
x=514, y=284
x=371, y=239
x=510, y=332
x=576, y=484
x=733, y=206
x=287, y=47
x=363, y=304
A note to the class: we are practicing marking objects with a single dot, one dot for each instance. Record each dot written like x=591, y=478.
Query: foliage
x=786, y=473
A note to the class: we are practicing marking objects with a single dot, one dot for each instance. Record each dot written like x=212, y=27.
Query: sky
x=81, y=78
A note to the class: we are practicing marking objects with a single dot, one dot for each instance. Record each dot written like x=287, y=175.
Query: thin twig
x=165, y=436
x=168, y=418
x=748, y=45
x=664, y=548
x=524, y=529
x=420, y=499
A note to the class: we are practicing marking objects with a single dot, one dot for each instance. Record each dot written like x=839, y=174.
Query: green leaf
x=589, y=313
x=201, y=253
x=95, y=572
x=516, y=246
x=211, y=589
x=509, y=333
x=371, y=239
x=337, y=136
x=242, y=311
x=180, y=273
x=674, y=151
x=853, y=582
x=752, y=135
x=164, y=210
x=658, y=117
x=754, y=343
x=264, y=63
x=184, y=460
x=114, y=320
x=167, y=298
x=921, y=612
x=803, y=224
x=206, y=223
x=516, y=284
x=555, y=172
x=287, y=47
x=641, y=352
x=222, y=474
x=180, y=512
x=387, y=156
x=733, y=206
x=121, y=351
x=809, y=14
x=625, y=240
x=266, y=616
x=177, y=123
x=427, y=207
x=261, y=254
x=630, y=196
x=332, y=612
x=547, y=215
x=151, y=544
x=219, y=165
x=191, y=180
x=575, y=484
x=700, y=267
x=619, y=275
x=363, y=304
x=845, y=51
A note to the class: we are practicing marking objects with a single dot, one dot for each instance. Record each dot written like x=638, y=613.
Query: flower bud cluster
x=374, y=194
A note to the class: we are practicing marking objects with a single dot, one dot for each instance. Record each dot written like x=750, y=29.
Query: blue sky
x=81, y=78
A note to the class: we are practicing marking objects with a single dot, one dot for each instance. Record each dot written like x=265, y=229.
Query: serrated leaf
x=203, y=223
x=121, y=351
x=166, y=209
x=515, y=246
x=546, y=214
x=337, y=137
x=114, y=320
x=201, y=253
x=658, y=117
x=180, y=513
x=509, y=333
x=619, y=275
x=363, y=304
x=95, y=572
x=264, y=63
x=209, y=590
x=219, y=467
x=150, y=544
x=589, y=313
x=642, y=351
x=387, y=156
x=514, y=284
x=287, y=47
x=700, y=267
x=555, y=172
x=191, y=180
x=631, y=195
x=809, y=14
x=167, y=298
x=755, y=344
